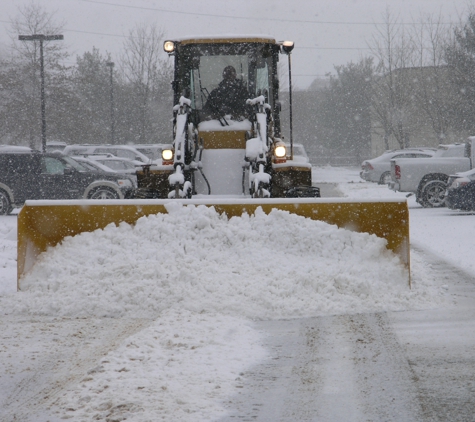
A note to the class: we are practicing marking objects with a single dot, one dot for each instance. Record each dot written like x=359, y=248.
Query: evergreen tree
x=460, y=56
x=344, y=114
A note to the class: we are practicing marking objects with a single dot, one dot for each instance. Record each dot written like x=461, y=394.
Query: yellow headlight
x=280, y=151
x=169, y=46
x=167, y=154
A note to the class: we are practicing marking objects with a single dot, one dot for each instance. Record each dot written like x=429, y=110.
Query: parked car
x=299, y=152
x=379, y=169
x=427, y=178
x=460, y=193
x=152, y=151
x=119, y=164
x=115, y=164
x=14, y=148
x=92, y=164
x=54, y=146
x=35, y=175
x=124, y=151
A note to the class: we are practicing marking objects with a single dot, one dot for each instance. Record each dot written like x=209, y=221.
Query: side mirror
x=68, y=171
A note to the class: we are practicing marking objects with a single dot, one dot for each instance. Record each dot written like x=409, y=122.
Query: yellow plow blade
x=46, y=223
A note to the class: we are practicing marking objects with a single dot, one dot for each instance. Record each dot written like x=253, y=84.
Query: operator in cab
x=229, y=97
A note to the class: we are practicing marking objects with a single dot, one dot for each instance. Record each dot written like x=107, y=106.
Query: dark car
x=27, y=174
x=460, y=193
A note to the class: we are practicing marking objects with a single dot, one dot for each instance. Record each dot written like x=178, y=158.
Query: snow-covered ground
x=161, y=321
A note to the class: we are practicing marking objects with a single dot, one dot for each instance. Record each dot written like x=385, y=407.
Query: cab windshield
x=201, y=69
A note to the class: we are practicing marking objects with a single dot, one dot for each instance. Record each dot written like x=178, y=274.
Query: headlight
x=287, y=46
x=125, y=183
x=169, y=46
x=280, y=151
x=167, y=155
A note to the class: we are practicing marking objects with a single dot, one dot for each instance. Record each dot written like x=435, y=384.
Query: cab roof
x=225, y=39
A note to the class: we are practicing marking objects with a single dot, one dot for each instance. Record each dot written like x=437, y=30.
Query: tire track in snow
x=65, y=351
x=345, y=367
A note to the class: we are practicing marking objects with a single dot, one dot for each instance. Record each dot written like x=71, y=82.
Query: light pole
x=41, y=38
x=111, y=66
x=287, y=47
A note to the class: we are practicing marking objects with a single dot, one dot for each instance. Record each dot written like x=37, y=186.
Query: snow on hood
x=215, y=125
x=265, y=266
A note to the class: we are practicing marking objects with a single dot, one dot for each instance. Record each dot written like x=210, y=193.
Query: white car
x=152, y=151
x=92, y=164
x=379, y=169
x=123, y=151
x=121, y=165
x=95, y=163
x=54, y=146
x=300, y=155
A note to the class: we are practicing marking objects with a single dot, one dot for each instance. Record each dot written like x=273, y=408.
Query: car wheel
x=385, y=178
x=433, y=194
x=103, y=192
x=5, y=204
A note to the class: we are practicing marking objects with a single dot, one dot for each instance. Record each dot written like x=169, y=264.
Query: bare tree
x=147, y=72
x=34, y=19
x=431, y=84
x=392, y=48
x=21, y=73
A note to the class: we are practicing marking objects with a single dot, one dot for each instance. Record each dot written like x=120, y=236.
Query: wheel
x=258, y=191
x=5, y=204
x=103, y=192
x=187, y=190
x=433, y=194
x=385, y=178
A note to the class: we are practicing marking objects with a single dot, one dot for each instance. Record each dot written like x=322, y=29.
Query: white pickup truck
x=427, y=177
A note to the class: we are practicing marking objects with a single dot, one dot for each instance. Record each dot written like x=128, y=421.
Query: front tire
x=5, y=203
x=433, y=194
x=103, y=192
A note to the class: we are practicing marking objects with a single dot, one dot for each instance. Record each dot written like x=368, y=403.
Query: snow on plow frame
x=42, y=224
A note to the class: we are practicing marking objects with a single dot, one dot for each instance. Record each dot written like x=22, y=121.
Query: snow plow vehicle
x=227, y=134
x=226, y=151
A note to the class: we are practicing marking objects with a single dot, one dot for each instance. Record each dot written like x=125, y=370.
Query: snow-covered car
x=460, y=193
x=14, y=148
x=121, y=165
x=54, y=146
x=92, y=164
x=299, y=153
x=109, y=164
x=123, y=151
x=378, y=169
x=152, y=151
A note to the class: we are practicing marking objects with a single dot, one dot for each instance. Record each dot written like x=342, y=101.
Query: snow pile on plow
x=279, y=265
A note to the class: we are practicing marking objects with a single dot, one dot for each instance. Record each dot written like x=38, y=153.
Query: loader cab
x=199, y=65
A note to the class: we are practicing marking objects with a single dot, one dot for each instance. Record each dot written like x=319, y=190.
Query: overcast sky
x=325, y=33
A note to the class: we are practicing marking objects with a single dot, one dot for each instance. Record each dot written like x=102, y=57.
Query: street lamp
x=287, y=47
x=41, y=38
x=111, y=66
